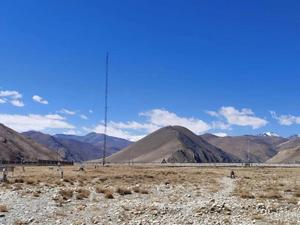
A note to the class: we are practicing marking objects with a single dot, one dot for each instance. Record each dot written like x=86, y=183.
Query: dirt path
x=226, y=190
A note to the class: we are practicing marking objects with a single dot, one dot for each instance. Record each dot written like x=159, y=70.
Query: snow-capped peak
x=269, y=134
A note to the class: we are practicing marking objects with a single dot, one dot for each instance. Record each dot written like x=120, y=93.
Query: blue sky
x=213, y=66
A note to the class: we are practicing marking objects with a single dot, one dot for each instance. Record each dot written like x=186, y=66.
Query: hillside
x=15, y=147
x=288, y=152
x=289, y=144
x=286, y=156
x=261, y=148
x=114, y=144
x=175, y=145
x=70, y=150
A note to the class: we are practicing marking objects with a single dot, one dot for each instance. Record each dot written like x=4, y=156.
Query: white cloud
x=71, y=132
x=286, y=120
x=14, y=97
x=162, y=118
x=220, y=134
x=17, y=103
x=91, y=111
x=67, y=112
x=36, y=122
x=243, y=117
x=39, y=99
x=84, y=117
x=155, y=119
x=220, y=125
x=115, y=132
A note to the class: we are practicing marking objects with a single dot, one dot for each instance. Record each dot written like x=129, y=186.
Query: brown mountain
x=78, y=148
x=175, y=145
x=14, y=147
x=261, y=148
x=288, y=152
x=291, y=155
x=289, y=144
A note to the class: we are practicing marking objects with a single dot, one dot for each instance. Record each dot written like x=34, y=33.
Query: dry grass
x=20, y=222
x=278, y=184
x=246, y=195
x=140, y=191
x=271, y=195
x=123, y=191
x=82, y=194
x=3, y=208
x=66, y=194
x=108, y=194
x=100, y=190
x=297, y=193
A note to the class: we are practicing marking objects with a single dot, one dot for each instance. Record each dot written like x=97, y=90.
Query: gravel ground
x=165, y=204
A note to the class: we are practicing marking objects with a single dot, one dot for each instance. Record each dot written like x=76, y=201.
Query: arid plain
x=123, y=194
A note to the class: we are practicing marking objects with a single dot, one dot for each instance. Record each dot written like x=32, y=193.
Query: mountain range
x=78, y=148
x=169, y=144
x=172, y=144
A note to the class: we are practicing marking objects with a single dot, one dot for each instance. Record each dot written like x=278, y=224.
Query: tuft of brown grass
x=17, y=187
x=19, y=181
x=100, y=190
x=293, y=201
x=246, y=195
x=271, y=195
x=123, y=191
x=31, y=182
x=297, y=193
x=20, y=222
x=3, y=208
x=140, y=191
x=108, y=194
x=82, y=194
x=66, y=194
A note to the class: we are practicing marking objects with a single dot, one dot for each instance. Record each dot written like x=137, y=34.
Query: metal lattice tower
x=105, y=111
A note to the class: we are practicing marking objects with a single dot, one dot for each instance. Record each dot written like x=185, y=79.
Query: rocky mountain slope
x=288, y=152
x=15, y=147
x=261, y=147
x=172, y=144
x=76, y=148
x=114, y=144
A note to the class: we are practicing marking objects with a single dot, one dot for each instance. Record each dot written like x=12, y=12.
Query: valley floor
x=151, y=195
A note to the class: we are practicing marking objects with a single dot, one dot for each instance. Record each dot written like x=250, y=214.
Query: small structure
x=4, y=175
x=232, y=174
x=164, y=161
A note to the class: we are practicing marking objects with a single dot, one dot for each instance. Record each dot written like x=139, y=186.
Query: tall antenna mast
x=105, y=111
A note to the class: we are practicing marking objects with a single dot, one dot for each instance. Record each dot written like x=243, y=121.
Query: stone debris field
x=150, y=195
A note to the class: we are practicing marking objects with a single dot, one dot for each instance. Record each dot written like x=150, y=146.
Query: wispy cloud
x=67, y=112
x=154, y=119
x=220, y=134
x=40, y=100
x=243, y=117
x=35, y=122
x=13, y=97
x=286, y=120
x=84, y=117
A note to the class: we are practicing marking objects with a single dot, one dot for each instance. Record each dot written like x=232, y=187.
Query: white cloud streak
x=155, y=119
x=286, y=120
x=67, y=112
x=84, y=117
x=40, y=100
x=36, y=122
x=13, y=97
x=243, y=117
